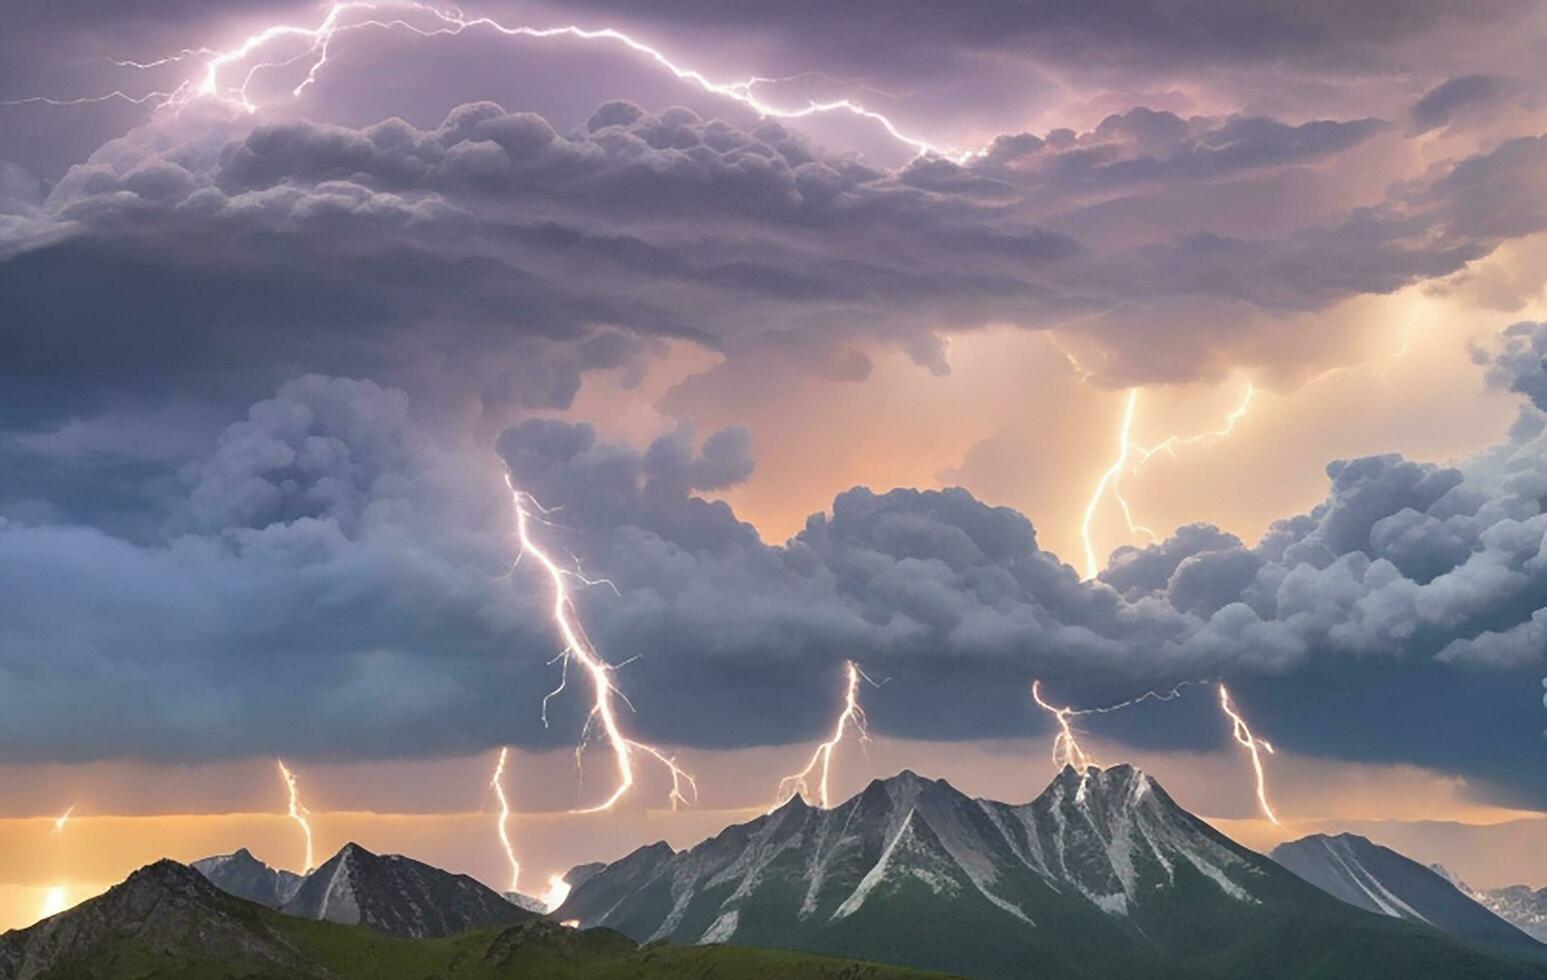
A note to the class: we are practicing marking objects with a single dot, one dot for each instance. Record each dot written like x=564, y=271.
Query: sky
x=1119, y=345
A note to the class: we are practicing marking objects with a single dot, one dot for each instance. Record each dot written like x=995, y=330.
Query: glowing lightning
x=1066, y=748
x=558, y=891
x=498, y=784
x=63, y=819
x=213, y=81
x=1111, y=479
x=1243, y=735
x=851, y=716
x=1124, y=444
x=578, y=646
x=297, y=812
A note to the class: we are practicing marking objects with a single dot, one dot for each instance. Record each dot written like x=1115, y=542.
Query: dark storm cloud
x=333, y=578
x=1143, y=146
x=496, y=257
x=1456, y=96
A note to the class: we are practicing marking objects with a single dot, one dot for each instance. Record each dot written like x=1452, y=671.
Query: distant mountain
x=167, y=920
x=1521, y=906
x=245, y=876
x=1378, y=879
x=522, y=900
x=1102, y=875
x=398, y=895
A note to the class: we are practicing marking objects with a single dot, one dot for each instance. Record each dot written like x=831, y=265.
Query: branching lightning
x=1067, y=750
x=227, y=75
x=852, y=716
x=1127, y=449
x=497, y=783
x=1243, y=735
x=577, y=646
x=297, y=812
x=1066, y=747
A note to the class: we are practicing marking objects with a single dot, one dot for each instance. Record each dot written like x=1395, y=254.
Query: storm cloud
x=330, y=579
x=495, y=257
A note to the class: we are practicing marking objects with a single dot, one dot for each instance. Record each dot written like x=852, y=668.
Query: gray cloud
x=332, y=578
x=498, y=259
x=1455, y=96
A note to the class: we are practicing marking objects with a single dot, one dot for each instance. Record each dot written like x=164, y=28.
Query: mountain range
x=1522, y=906
x=1102, y=875
x=389, y=893
x=167, y=920
x=1380, y=880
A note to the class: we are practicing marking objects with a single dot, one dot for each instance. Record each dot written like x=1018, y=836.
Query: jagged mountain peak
x=399, y=895
x=1109, y=838
x=242, y=874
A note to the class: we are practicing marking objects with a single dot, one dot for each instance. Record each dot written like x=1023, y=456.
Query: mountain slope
x=1378, y=879
x=168, y=921
x=164, y=910
x=1521, y=906
x=1102, y=875
x=245, y=876
x=398, y=895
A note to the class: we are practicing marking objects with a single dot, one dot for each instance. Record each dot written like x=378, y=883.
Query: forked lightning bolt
x=852, y=716
x=1243, y=735
x=1111, y=478
x=498, y=785
x=297, y=812
x=577, y=646
x=228, y=74
x=1066, y=748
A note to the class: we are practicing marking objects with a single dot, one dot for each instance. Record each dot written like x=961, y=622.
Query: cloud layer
x=331, y=580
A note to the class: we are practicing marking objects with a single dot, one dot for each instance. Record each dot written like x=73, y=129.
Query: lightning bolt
x=1243, y=735
x=63, y=819
x=227, y=75
x=558, y=891
x=1066, y=747
x=1067, y=750
x=852, y=716
x=1111, y=479
x=297, y=812
x=1124, y=446
x=577, y=647
x=497, y=782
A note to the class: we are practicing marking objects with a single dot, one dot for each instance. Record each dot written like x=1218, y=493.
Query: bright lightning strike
x=1243, y=735
x=558, y=891
x=228, y=75
x=1124, y=444
x=1066, y=747
x=852, y=716
x=498, y=785
x=297, y=812
x=577, y=647
x=1111, y=479
x=64, y=818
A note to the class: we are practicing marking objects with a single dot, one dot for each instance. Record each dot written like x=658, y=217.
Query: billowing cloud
x=333, y=579
x=494, y=259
